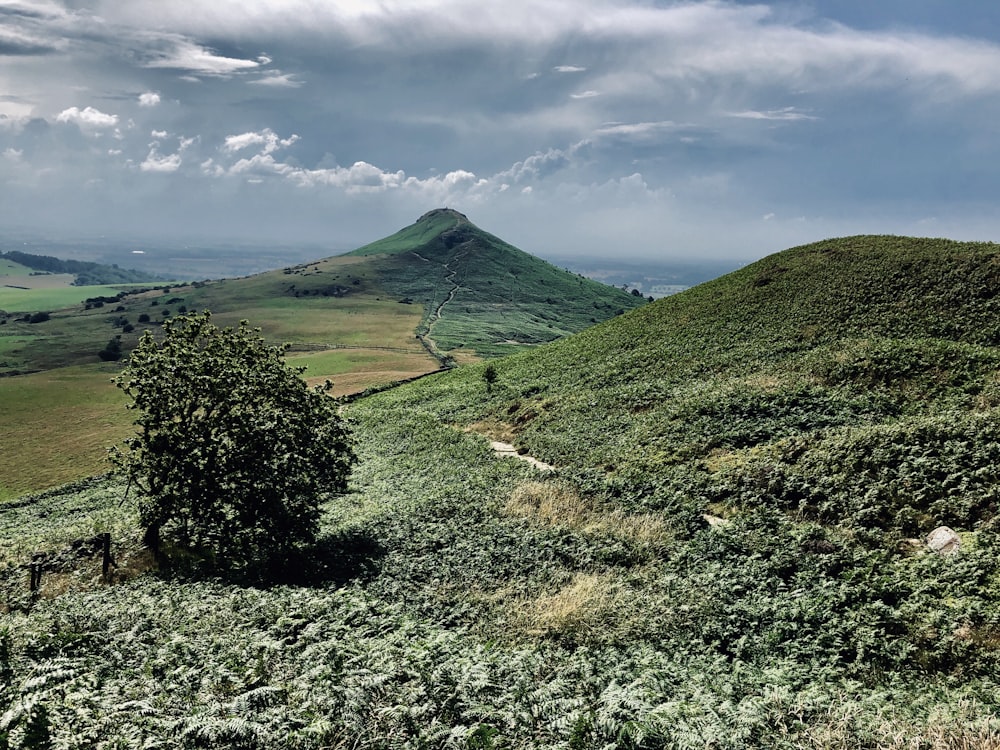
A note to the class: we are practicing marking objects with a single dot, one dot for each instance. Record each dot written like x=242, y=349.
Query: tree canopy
x=234, y=452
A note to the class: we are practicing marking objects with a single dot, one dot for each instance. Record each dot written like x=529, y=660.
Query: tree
x=234, y=452
x=490, y=376
x=113, y=351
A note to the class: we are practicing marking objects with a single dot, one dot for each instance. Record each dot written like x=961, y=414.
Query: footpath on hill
x=435, y=317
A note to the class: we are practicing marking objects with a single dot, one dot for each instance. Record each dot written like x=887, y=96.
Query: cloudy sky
x=624, y=128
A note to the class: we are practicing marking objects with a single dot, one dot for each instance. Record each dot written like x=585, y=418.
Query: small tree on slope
x=234, y=452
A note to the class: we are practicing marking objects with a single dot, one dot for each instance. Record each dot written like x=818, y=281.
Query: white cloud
x=13, y=154
x=149, y=99
x=267, y=139
x=539, y=165
x=585, y=94
x=568, y=69
x=23, y=42
x=11, y=124
x=260, y=164
x=636, y=130
x=87, y=117
x=359, y=177
x=787, y=114
x=277, y=79
x=211, y=169
x=156, y=163
x=186, y=55
x=159, y=134
x=685, y=40
x=34, y=7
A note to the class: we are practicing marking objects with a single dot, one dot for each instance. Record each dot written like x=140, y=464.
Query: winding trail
x=506, y=450
x=435, y=317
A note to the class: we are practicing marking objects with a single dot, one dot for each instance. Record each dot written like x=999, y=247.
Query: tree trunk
x=151, y=538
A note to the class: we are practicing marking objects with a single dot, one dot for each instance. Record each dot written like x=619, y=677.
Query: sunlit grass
x=57, y=426
x=52, y=293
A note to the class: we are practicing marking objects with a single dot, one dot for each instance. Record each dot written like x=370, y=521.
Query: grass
x=10, y=268
x=50, y=293
x=834, y=402
x=560, y=504
x=355, y=370
x=57, y=426
x=424, y=230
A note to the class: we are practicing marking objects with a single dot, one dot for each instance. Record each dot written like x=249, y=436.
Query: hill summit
x=423, y=230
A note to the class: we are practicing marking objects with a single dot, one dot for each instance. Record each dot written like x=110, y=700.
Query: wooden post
x=36, y=577
x=106, y=561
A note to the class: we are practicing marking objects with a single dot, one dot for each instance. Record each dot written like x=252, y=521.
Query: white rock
x=944, y=541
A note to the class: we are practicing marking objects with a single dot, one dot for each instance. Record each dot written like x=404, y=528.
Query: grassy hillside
x=83, y=273
x=426, y=229
x=482, y=295
x=464, y=291
x=730, y=553
x=450, y=292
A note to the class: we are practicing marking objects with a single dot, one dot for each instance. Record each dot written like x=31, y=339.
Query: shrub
x=234, y=452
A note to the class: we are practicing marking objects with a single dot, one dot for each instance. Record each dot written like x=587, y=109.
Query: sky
x=629, y=129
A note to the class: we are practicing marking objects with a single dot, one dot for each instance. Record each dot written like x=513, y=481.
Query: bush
x=234, y=452
x=112, y=352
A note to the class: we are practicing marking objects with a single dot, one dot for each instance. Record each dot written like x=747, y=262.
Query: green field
x=55, y=298
x=57, y=426
x=10, y=268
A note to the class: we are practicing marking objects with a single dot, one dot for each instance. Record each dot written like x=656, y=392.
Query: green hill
x=449, y=292
x=85, y=273
x=482, y=294
x=466, y=293
x=730, y=552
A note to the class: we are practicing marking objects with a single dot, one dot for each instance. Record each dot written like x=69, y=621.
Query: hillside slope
x=731, y=552
x=866, y=329
x=85, y=273
x=483, y=294
x=830, y=406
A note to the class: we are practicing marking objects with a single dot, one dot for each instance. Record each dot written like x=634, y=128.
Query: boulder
x=944, y=541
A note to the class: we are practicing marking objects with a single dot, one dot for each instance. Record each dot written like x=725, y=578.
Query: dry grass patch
x=558, y=504
x=577, y=606
x=56, y=427
x=970, y=727
x=494, y=430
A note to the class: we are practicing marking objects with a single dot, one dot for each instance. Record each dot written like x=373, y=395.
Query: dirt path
x=435, y=317
x=506, y=450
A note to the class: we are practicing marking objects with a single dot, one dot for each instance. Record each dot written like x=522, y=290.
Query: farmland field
x=57, y=426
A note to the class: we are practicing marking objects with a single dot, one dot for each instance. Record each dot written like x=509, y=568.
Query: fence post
x=36, y=576
x=106, y=561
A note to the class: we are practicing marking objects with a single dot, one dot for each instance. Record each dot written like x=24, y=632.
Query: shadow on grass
x=351, y=555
